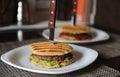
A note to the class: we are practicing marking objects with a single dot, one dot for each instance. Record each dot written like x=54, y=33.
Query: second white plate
x=98, y=35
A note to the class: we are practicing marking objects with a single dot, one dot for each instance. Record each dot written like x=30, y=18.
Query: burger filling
x=73, y=37
x=52, y=60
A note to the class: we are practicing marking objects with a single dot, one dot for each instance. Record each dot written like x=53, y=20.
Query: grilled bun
x=74, y=29
x=50, y=48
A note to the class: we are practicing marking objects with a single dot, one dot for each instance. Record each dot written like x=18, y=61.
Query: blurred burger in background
x=74, y=33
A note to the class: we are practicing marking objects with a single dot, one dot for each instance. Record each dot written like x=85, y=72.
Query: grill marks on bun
x=48, y=48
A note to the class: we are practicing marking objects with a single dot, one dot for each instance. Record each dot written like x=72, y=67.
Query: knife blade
x=52, y=18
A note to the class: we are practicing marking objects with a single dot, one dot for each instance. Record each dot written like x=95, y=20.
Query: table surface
x=106, y=65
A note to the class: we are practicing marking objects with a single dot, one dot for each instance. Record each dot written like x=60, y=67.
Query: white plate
x=19, y=58
x=98, y=35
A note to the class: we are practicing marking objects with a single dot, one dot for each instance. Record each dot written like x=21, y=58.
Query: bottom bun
x=55, y=64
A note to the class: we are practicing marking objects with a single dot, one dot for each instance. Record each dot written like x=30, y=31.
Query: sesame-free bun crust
x=50, y=48
x=77, y=29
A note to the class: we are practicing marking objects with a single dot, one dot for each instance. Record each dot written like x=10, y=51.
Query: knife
x=51, y=23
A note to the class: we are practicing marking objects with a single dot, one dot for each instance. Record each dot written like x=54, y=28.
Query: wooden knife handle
x=52, y=18
x=74, y=11
x=74, y=5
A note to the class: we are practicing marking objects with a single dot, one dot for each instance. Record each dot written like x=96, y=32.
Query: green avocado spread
x=45, y=62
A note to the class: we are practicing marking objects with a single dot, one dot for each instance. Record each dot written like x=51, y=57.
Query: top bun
x=50, y=48
x=77, y=29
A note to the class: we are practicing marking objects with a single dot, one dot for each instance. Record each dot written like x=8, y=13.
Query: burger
x=51, y=54
x=73, y=33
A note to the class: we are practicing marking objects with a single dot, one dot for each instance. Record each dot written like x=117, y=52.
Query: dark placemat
x=96, y=69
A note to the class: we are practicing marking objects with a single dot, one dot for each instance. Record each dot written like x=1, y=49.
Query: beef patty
x=50, y=58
